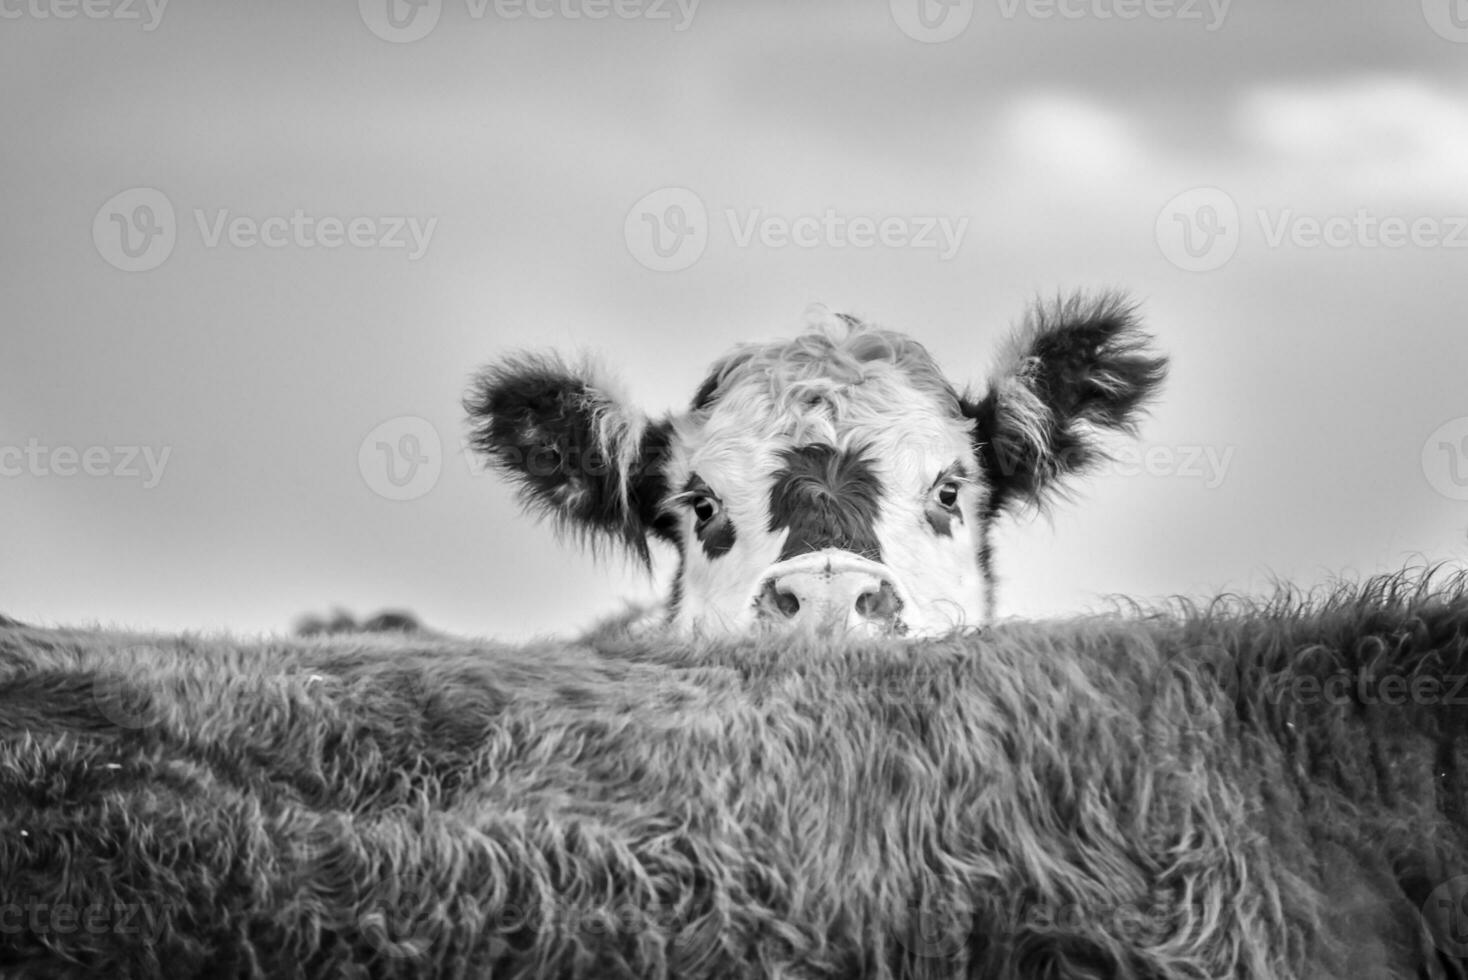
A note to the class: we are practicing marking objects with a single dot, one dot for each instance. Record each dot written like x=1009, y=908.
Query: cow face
x=837, y=481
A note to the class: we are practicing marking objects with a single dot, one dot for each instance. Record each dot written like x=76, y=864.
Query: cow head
x=837, y=480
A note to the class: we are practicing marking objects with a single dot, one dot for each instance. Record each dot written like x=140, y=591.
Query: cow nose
x=829, y=597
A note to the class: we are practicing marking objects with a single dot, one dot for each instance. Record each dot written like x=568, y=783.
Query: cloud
x=1071, y=139
x=1374, y=137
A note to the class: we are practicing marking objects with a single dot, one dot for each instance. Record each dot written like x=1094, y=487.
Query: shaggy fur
x=1076, y=368
x=1148, y=795
x=579, y=456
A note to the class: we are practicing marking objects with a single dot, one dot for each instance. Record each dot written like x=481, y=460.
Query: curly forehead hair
x=838, y=353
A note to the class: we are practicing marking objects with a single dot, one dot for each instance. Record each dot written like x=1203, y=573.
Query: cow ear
x=1075, y=372
x=577, y=452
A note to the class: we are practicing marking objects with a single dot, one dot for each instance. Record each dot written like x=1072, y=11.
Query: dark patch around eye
x=827, y=499
x=717, y=536
x=940, y=515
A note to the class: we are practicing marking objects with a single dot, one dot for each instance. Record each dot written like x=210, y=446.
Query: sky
x=252, y=253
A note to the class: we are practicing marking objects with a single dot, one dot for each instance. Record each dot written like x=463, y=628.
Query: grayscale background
x=1283, y=185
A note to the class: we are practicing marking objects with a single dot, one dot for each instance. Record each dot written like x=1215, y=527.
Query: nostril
x=879, y=604
x=774, y=599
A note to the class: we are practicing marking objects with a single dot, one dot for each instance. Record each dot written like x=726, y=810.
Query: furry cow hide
x=1269, y=789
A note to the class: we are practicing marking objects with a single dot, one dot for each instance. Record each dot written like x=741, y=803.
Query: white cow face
x=836, y=481
x=830, y=480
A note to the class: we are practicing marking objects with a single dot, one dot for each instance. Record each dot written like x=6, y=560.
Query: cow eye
x=704, y=508
x=947, y=494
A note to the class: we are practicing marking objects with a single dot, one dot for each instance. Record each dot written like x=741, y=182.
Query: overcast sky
x=210, y=396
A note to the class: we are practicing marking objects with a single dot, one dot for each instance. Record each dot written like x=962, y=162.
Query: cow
x=834, y=481
x=342, y=622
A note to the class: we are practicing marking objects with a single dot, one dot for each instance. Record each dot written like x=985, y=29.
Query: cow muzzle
x=831, y=590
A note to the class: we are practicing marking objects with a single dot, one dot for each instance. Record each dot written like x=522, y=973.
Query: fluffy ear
x=1074, y=372
x=578, y=454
